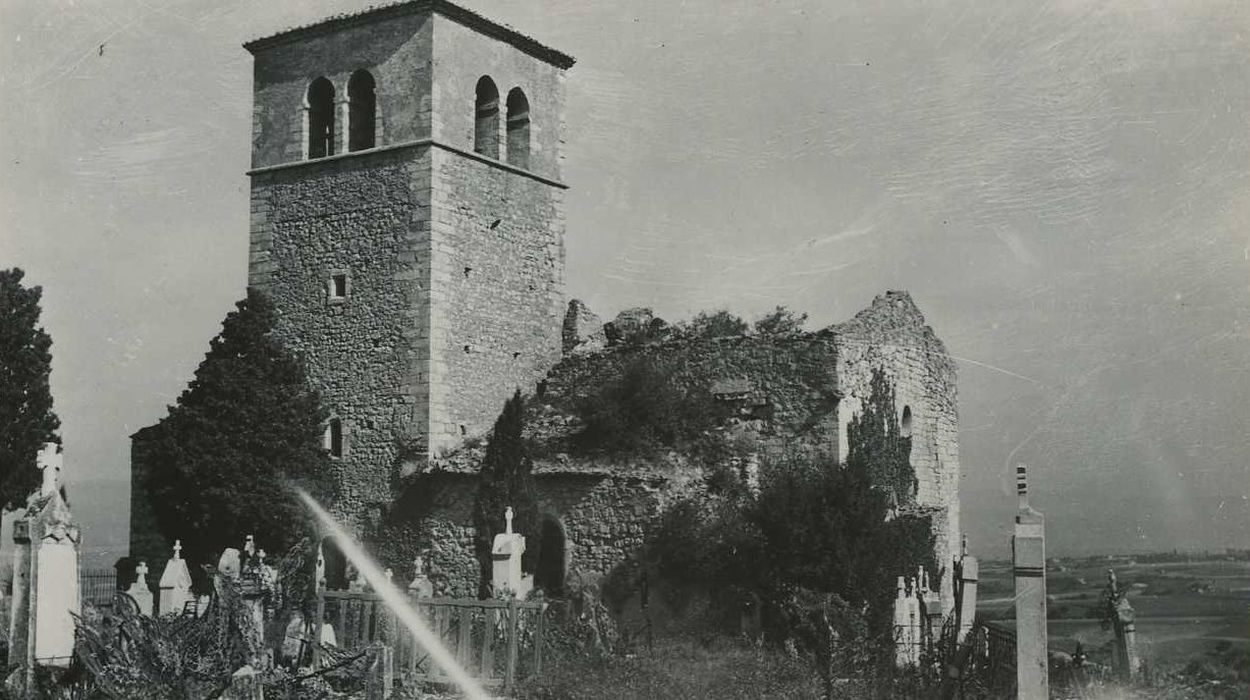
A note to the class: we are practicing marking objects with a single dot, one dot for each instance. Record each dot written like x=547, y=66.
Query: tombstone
x=245, y=684
x=907, y=623
x=229, y=565
x=421, y=586
x=139, y=590
x=506, y=578
x=45, y=577
x=1028, y=553
x=175, y=584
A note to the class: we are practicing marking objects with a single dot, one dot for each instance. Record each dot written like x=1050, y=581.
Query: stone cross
x=50, y=462
x=177, y=549
x=142, y=572
x=507, y=516
x=249, y=546
x=260, y=554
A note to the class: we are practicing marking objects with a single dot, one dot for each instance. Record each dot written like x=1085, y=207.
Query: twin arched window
x=486, y=118
x=518, y=129
x=486, y=123
x=361, y=115
x=320, y=118
x=362, y=111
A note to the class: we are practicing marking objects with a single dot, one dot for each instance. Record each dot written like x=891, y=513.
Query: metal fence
x=97, y=586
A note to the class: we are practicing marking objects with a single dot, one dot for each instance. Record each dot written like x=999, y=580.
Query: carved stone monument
x=506, y=577
x=45, y=577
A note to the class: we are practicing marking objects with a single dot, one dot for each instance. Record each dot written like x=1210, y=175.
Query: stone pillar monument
x=1125, y=660
x=506, y=551
x=1028, y=550
x=45, y=578
x=968, y=572
x=421, y=586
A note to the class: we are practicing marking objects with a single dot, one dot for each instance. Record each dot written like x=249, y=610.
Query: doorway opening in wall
x=552, y=559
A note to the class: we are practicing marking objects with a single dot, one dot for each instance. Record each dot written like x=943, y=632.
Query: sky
x=1063, y=187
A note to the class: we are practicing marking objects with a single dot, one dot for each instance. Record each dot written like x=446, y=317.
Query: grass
x=678, y=669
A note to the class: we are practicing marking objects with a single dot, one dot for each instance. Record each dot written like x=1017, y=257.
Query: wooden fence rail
x=496, y=641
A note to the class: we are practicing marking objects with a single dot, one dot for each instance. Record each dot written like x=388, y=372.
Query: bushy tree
x=716, y=324
x=816, y=531
x=780, y=322
x=223, y=463
x=506, y=479
x=26, y=417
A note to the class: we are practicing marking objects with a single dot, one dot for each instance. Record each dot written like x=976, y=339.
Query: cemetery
x=409, y=467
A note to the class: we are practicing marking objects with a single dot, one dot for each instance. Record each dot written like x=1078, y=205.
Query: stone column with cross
x=1028, y=553
x=967, y=571
x=175, y=584
x=45, y=576
x=139, y=590
x=506, y=551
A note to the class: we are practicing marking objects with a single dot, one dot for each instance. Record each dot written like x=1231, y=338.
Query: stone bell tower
x=407, y=220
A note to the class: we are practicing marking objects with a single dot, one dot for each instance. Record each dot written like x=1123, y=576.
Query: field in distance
x=1185, y=604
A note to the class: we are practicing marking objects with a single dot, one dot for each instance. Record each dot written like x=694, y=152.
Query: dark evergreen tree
x=506, y=479
x=877, y=446
x=221, y=465
x=26, y=417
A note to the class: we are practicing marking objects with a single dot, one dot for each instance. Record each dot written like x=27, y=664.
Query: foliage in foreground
x=221, y=464
x=26, y=417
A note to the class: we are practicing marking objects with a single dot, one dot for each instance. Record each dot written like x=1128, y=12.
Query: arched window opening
x=905, y=423
x=320, y=118
x=552, y=560
x=362, y=111
x=518, y=129
x=333, y=439
x=486, y=118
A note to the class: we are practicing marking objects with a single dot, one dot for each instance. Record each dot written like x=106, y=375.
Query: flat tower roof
x=448, y=9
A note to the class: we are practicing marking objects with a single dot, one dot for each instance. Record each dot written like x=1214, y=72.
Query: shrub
x=780, y=322
x=643, y=409
x=717, y=324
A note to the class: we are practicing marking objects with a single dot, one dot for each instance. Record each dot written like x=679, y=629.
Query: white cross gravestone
x=139, y=591
x=175, y=584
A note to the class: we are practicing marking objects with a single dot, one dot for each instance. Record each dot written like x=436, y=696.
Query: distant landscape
x=1186, y=603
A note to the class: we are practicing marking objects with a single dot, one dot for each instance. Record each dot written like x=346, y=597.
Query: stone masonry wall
x=366, y=217
x=603, y=517
x=795, y=376
x=497, y=291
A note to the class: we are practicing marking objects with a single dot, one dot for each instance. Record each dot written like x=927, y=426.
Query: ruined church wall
x=366, y=217
x=603, y=517
x=891, y=335
x=796, y=377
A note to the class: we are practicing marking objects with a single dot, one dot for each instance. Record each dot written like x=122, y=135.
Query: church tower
x=407, y=220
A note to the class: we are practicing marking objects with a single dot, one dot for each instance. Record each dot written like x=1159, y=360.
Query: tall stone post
x=1028, y=551
x=1125, y=660
x=968, y=574
x=45, y=578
